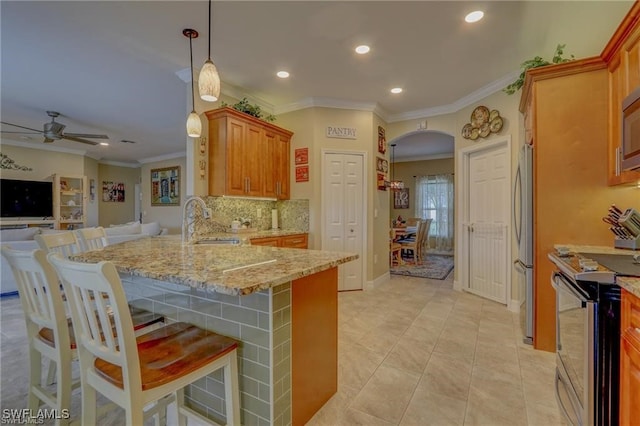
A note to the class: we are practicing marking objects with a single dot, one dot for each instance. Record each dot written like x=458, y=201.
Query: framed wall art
x=401, y=198
x=165, y=186
x=111, y=191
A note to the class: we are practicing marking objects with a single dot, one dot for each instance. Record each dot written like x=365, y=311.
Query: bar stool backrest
x=91, y=238
x=94, y=291
x=64, y=243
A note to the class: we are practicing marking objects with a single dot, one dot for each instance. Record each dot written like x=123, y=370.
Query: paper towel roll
x=274, y=219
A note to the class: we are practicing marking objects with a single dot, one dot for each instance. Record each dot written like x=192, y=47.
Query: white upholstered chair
x=48, y=328
x=136, y=374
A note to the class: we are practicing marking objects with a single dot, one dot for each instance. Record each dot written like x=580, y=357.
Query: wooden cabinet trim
x=557, y=70
x=622, y=33
x=230, y=112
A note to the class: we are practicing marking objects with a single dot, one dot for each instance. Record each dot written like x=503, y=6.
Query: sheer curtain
x=434, y=199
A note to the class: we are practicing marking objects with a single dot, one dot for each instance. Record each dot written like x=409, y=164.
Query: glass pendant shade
x=194, y=125
x=209, y=82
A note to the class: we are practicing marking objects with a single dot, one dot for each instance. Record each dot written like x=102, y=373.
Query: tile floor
x=411, y=352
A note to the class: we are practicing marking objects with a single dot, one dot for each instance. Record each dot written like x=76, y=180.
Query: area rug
x=433, y=266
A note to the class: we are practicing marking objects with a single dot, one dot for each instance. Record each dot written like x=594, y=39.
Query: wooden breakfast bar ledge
x=281, y=304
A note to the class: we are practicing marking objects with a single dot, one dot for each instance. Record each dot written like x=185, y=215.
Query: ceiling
x=112, y=67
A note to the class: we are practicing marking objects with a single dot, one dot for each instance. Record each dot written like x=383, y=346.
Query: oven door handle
x=555, y=276
x=559, y=400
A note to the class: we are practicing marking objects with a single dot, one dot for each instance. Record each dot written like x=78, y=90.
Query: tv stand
x=7, y=223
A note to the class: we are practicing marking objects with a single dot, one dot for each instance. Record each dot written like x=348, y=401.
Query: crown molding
x=321, y=102
x=424, y=158
x=171, y=156
x=461, y=103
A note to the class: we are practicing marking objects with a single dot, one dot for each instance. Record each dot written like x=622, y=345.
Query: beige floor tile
x=409, y=354
x=428, y=408
x=448, y=376
x=495, y=407
x=543, y=415
x=335, y=408
x=353, y=417
x=387, y=394
x=356, y=366
x=456, y=346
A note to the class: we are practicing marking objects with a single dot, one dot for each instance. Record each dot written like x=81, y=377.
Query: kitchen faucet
x=189, y=217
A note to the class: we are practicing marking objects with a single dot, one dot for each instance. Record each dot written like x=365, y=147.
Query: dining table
x=404, y=232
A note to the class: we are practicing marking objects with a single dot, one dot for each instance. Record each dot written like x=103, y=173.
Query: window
x=434, y=199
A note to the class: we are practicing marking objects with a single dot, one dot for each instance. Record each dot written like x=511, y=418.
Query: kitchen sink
x=224, y=241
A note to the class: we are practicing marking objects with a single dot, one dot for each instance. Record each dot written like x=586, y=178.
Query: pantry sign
x=341, y=132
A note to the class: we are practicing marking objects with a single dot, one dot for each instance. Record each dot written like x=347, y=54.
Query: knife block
x=631, y=244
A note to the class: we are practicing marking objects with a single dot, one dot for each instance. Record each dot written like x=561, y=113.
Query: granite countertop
x=631, y=284
x=244, y=236
x=230, y=269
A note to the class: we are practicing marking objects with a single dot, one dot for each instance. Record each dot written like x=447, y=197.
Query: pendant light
x=209, y=80
x=395, y=184
x=194, y=126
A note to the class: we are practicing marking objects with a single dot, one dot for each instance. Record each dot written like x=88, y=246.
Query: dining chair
x=48, y=329
x=136, y=373
x=413, y=243
x=424, y=240
x=91, y=238
x=412, y=221
x=395, y=249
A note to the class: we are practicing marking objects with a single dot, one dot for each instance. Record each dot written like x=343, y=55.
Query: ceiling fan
x=53, y=131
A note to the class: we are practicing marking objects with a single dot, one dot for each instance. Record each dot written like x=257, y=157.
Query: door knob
x=351, y=230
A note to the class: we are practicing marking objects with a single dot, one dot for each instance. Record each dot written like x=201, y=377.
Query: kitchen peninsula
x=280, y=303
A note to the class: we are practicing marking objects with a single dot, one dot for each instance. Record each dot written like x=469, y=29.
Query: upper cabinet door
x=247, y=156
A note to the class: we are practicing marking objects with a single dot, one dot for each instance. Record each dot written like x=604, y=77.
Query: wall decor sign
x=111, y=191
x=165, y=186
x=341, y=132
x=382, y=168
x=9, y=164
x=302, y=173
x=382, y=140
x=483, y=123
x=302, y=155
x=401, y=198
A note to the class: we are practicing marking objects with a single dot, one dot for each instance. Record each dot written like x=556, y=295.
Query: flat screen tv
x=26, y=198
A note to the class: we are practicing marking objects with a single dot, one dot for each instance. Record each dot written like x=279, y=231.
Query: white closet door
x=343, y=214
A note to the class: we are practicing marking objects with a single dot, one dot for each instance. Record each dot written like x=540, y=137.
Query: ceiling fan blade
x=22, y=133
x=22, y=127
x=73, y=138
x=86, y=135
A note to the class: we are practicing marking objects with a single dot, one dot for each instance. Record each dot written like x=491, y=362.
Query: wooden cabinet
x=622, y=55
x=70, y=201
x=289, y=241
x=247, y=156
x=569, y=174
x=630, y=359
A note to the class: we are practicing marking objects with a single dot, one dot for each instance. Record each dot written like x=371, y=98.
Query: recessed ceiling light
x=104, y=143
x=282, y=74
x=474, y=16
x=362, y=49
x=396, y=90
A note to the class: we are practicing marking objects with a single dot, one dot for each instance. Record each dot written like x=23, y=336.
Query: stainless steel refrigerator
x=523, y=226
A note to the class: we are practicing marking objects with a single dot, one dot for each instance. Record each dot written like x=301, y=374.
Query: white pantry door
x=489, y=215
x=343, y=209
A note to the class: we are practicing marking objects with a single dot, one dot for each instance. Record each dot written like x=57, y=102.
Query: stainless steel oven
x=588, y=342
x=574, y=348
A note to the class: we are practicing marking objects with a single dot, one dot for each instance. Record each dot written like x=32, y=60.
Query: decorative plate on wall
x=483, y=123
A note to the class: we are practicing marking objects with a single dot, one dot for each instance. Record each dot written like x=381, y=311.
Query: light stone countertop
x=229, y=269
x=631, y=284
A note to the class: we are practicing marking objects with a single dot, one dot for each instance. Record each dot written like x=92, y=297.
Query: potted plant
x=247, y=108
x=535, y=63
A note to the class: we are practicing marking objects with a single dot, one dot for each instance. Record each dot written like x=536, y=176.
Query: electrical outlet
x=375, y=258
x=259, y=213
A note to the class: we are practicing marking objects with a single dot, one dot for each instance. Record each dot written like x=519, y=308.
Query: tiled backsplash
x=292, y=214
